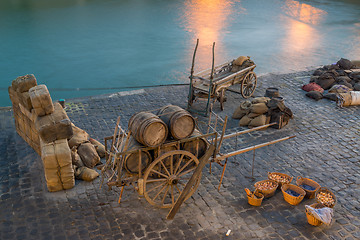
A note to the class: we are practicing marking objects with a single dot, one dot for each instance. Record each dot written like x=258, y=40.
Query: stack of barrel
x=45, y=126
x=171, y=123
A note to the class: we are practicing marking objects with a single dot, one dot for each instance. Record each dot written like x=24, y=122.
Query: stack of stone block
x=46, y=128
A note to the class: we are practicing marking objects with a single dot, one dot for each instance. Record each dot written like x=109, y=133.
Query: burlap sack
x=55, y=154
x=235, y=68
x=240, y=60
x=344, y=99
x=79, y=136
x=314, y=95
x=67, y=176
x=24, y=99
x=244, y=121
x=24, y=83
x=54, y=126
x=253, y=115
x=258, y=121
x=344, y=64
x=100, y=148
x=53, y=181
x=259, y=108
x=13, y=96
x=339, y=89
x=260, y=100
x=41, y=100
x=343, y=79
x=75, y=157
x=326, y=80
x=239, y=113
x=88, y=154
x=86, y=174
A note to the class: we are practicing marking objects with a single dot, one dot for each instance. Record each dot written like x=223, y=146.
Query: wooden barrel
x=197, y=146
x=179, y=121
x=131, y=163
x=148, y=129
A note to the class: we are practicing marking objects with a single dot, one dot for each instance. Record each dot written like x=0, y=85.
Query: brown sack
x=55, y=154
x=41, y=100
x=240, y=60
x=13, y=96
x=79, y=136
x=258, y=121
x=54, y=126
x=24, y=99
x=86, y=174
x=75, y=157
x=100, y=148
x=24, y=83
x=88, y=154
x=253, y=115
x=53, y=181
x=244, y=121
x=239, y=113
x=260, y=100
x=259, y=108
x=67, y=176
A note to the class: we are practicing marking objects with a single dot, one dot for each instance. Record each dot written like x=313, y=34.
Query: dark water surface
x=85, y=47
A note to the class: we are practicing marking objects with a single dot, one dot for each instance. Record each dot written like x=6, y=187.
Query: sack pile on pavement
x=338, y=82
x=45, y=126
x=263, y=110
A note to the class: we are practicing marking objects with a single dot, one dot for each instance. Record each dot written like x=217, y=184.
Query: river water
x=89, y=47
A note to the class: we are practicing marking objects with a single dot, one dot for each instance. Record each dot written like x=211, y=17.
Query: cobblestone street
x=325, y=149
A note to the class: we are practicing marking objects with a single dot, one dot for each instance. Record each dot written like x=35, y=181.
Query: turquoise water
x=89, y=47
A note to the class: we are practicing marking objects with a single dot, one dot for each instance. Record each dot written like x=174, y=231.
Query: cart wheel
x=167, y=176
x=248, y=85
x=222, y=99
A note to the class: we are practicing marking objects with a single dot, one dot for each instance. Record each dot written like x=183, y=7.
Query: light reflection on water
x=99, y=44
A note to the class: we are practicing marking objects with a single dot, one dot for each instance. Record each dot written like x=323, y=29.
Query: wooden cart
x=175, y=171
x=213, y=83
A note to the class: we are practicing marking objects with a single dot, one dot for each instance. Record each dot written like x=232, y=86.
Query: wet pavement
x=325, y=149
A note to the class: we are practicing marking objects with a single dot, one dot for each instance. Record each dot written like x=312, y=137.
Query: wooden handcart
x=211, y=84
x=174, y=173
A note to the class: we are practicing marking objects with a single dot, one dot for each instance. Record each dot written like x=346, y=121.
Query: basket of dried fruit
x=309, y=186
x=254, y=198
x=280, y=178
x=310, y=218
x=266, y=187
x=326, y=197
x=292, y=193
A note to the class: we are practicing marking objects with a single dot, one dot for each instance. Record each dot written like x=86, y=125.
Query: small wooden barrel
x=148, y=129
x=196, y=146
x=179, y=121
x=140, y=157
x=272, y=92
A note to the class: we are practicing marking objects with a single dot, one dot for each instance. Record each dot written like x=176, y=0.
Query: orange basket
x=280, y=178
x=290, y=198
x=310, y=218
x=255, y=198
x=326, y=202
x=309, y=193
x=266, y=192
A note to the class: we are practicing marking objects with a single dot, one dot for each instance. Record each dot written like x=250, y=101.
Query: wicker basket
x=255, y=201
x=310, y=218
x=288, y=178
x=326, y=204
x=309, y=193
x=292, y=199
x=269, y=192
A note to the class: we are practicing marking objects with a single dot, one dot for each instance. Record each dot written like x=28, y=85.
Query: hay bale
x=54, y=126
x=41, y=100
x=24, y=83
x=259, y=108
x=86, y=174
x=100, y=148
x=79, y=136
x=88, y=154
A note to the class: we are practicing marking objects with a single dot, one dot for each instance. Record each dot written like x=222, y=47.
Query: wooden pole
x=190, y=97
x=202, y=162
x=247, y=131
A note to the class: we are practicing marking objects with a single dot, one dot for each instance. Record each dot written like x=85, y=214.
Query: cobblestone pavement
x=326, y=149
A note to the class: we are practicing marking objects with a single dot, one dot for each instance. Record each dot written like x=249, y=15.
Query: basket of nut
x=326, y=197
x=254, y=198
x=292, y=193
x=266, y=187
x=309, y=186
x=280, y=178
x=310, y=217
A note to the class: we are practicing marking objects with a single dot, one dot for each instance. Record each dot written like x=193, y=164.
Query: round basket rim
x=302, y=194
x=266, y=180
x=324, y=189
x=300, y=180
x=279, y=173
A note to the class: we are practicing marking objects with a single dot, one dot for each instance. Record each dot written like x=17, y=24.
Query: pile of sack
x=45, y=126
x=263, y=110
x=336, y=81
x=241, y=62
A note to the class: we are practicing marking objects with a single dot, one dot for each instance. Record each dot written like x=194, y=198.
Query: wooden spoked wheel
x=222, y=99
x=167, y=176
x=248, y=85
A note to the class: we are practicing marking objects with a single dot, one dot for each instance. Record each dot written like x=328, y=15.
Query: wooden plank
x=202, y=162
